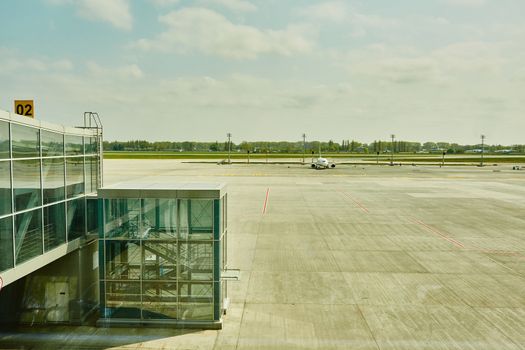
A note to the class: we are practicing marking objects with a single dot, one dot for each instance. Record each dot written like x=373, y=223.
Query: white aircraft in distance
x=323, y=163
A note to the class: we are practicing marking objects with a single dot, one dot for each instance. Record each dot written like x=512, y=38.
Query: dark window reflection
x=92, y=215
x=76, y=218
x=91, y=145
x=5, y=187
x=53, y=179
x=75, y=176
x=4, y=140
x=54, y=226
x=91, y=174
x=74, y=145
x=28, y=235
x=6, y=243
x=25, y=141
x=52, y=144
x=26, y=177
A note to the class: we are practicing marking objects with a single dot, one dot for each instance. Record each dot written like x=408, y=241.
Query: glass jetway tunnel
x=162, y=250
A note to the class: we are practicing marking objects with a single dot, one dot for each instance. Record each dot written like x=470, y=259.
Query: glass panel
x=159, y=300
x=160, y=260
x=26, y=177
x=144, y=218
x=28, y=235
x=4, y=140
x=225, y=211
x=159, y=218
x=74, y=145
x=91, y=174
x=6, y=243
x=54, y=226
x=111, y=218
x=25, y=141
x=123, y=299
x=5, y=187
x=122, y=260
x=75, y=176
x=76, y=218
x=196, y=311
x=53, y=179
x=92, y=215
x=91, y=145
x=196, y=301
x=52, y=144
x=196, y=219
x=122, y=218
x=196, y=261
x=196, y=291
x=95, y=173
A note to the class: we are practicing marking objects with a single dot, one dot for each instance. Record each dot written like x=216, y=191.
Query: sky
x=424, y=70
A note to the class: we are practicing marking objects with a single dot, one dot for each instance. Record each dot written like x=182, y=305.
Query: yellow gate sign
x=25, y=107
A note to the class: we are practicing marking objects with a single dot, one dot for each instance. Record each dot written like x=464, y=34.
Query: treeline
x=346, y=146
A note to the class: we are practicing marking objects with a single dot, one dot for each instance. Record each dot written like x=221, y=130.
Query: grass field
x=402, y=157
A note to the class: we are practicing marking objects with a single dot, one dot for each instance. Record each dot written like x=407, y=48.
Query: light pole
x=482, y=148
x=229, y=148
x=392, y=151
x=304, y=146
x=443, y=159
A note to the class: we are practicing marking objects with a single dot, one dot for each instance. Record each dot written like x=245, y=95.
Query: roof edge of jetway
x=186, y=190
x=22, y=120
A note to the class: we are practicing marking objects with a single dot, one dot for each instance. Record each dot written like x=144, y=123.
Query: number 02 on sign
x=25, y=107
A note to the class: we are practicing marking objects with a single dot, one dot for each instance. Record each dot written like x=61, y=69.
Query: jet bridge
x=162, y=251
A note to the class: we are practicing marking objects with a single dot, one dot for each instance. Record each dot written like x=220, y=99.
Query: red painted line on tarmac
x=477, y=249
x=439, y=233
x=363, y=208
x=497, y=252
x=266, y=200
x=503, y=252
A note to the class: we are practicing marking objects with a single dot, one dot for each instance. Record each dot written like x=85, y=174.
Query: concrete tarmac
x=356, y=257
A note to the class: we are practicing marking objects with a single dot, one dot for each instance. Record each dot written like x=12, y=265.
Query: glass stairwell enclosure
x=160, y=254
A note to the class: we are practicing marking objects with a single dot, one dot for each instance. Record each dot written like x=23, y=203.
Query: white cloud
x=372, y=21
x=459, y=62
x=472, y=56
x=132, y=71
x=59, y=2
x=208, y=32
x=391, y=88
x=335, y=11
x=234, y=5
x=359, y=24
x=63, y=65
x=244, y=92
x=408, y=70
x=468, y=3
x=11, y=61
x=162, y=3
x=115, y=12
x=129, y=71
